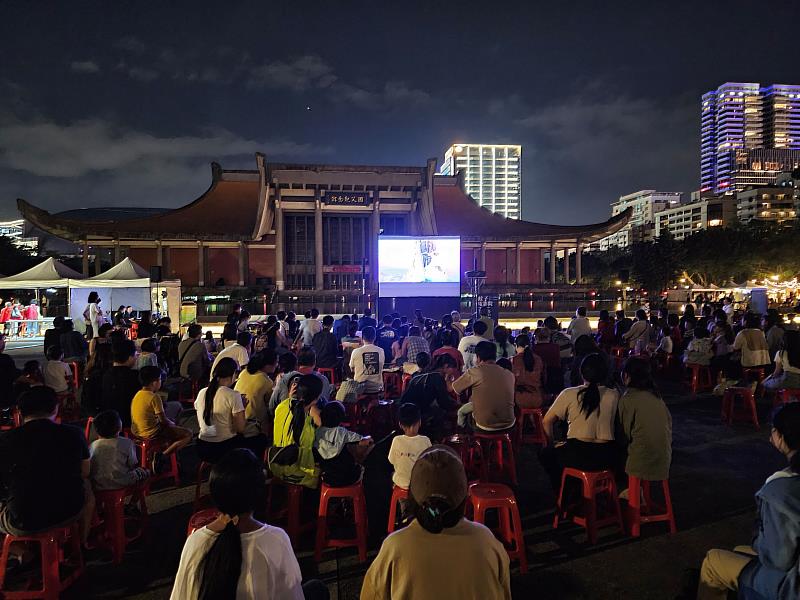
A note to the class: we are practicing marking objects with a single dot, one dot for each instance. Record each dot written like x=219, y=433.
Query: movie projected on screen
x=419, y=266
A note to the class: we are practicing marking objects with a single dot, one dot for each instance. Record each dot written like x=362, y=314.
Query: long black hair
x=791, y=345
x=226, y=367
x=93, y=297
x=787, y=423
x=640, y=375
x=237, y=485
x=309, y=389
x=501, y=338
x=524, y=341
x=594, y=371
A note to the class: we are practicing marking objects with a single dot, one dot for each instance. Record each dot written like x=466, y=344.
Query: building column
x=85, y=259
x=482, y=259
x=117, y=252
x=519, y=263
x=542, y=276
x=566, y=266
x=553, y=262
x=201, y=264
x=318, y=233
x=279, y=283
x=578, y=270
x=98, y=264
x=159, y=254
x=376, y=232
x=242, y=264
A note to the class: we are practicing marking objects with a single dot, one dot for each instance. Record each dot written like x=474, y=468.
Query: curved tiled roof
x=458, y=214
x=228, y=209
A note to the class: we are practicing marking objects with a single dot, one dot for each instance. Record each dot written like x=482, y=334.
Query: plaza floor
x=716, y=470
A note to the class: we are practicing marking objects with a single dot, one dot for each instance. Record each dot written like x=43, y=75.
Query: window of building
x=344, y=239
x=298, y=231
x=392, y=224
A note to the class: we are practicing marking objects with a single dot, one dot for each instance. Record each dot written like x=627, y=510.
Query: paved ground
x=716, y=470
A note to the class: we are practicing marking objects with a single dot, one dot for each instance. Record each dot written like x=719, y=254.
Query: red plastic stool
x=195, y=389
x=392, y=384
x=636, y=514
x=535, y=417
x=470, y=452
x=111, y=506
x=380, y=418
x=758, y=374
x=294, y=495
x=355, y=419
x=203, y=467
x=16, y=420
x=148, y=449
x=700, y=378
x=329, y=373
x=487, y=496
x=87, y=432
x=729, y=412
x=398, y=494
x=786, y=395
x=595, y=483
x=51, y=544
x=200, y=519
x=497, y=442
x=406, y=380
x=356, y=494
x=76, y=369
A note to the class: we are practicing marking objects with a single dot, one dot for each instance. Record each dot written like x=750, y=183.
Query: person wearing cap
x=409, y=563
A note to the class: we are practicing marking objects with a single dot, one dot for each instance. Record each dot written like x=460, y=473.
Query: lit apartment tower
x=748, y=135
x=492, y=174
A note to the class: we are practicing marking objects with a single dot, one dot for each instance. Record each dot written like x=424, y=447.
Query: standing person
x=32, y=315
x=638, y=335
x=605, y=330
x=5, y=318
x=93, y=315
x=589, y=411
x=386, y=335
x=235, y=316
x=468, y=344
x=325, y=345
x=529, y=375
x=768, y=568
x=491, y=406
x=580, y=325
x=645, y=423
x=236, y=556
x=366, y=363
x=409, y=563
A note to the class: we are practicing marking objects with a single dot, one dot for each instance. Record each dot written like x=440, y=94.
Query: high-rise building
x=641, y=227
x=748, y=135
x=702, y=212
x=492, y=174
x=17, y=232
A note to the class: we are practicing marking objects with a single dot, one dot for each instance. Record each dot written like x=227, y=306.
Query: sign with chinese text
x=346, y=198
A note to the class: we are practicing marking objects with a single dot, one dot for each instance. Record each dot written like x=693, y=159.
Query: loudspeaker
x=155, y=274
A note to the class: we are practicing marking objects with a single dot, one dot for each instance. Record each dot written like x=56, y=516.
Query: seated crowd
x=292, y=397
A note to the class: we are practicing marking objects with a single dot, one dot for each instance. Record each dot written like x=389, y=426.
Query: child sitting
x=407, y=447
x=148, y=355
x=57, y=373
x=700, y=350
x=665, y=342
x=148, y=420
x=337, y=463
x=114, y=462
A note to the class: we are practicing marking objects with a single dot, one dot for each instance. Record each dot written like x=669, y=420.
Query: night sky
x=126, y=103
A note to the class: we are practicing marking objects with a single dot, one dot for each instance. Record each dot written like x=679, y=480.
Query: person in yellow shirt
x=254, y=383
x=148, y=420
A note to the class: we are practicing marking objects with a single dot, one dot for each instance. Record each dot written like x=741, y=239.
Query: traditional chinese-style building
x=307, y=227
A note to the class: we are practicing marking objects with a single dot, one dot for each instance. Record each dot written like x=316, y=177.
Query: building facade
x=774, y=204
x=748, y=133
x=17, y=232
x=492, y=175
x=700, y=213
x=302, y=227
x=643, y=205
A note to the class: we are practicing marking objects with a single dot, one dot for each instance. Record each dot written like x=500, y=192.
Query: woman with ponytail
x=770, y=568
x=529, y=374
x=410, y=565
x=220, y=413
x=236, y=556
x=645, y=423
x=589, y=411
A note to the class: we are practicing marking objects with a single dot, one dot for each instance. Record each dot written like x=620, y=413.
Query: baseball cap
x=438, y=473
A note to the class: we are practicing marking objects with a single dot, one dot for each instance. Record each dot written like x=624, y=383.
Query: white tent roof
x=126, y=269
x=48, y=274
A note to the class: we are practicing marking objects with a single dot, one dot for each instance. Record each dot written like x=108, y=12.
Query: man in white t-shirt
x=309, y=328
x=579, y=326
x=237, y=352
x=407, y=447
x=467, y=344
x=366, y=363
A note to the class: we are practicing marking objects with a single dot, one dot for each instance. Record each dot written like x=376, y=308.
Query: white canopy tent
x=48, y=274
x=125, y=284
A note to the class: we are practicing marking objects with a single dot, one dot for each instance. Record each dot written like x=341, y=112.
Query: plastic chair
x=398, y=494
x=201, y=468
x=51, y=544
x=148, y=449
x=356, y=494
x=15, y=417
x=500, y=443
x=635, y=515
x=594, y=484
x=470, y=451
x=729, y=412
x=535, y=417
x=786, y=395
x=111, y=507
x=200, y=519
x=700, y=378
x=757, y=374
x=76, y=369
x=406, y=380
x=392, y=384
x=294, y=495
x=380, y=418
x=489, y=496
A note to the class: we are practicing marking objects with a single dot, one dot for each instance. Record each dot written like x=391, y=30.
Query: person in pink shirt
x=32, y=314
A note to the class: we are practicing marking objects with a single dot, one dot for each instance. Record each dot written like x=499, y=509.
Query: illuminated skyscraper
x=492, y=174
x=748, y=135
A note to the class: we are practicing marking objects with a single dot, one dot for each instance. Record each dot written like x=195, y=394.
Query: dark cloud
x=84, y=66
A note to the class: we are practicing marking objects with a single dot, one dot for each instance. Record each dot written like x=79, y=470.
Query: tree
x=13, y=259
